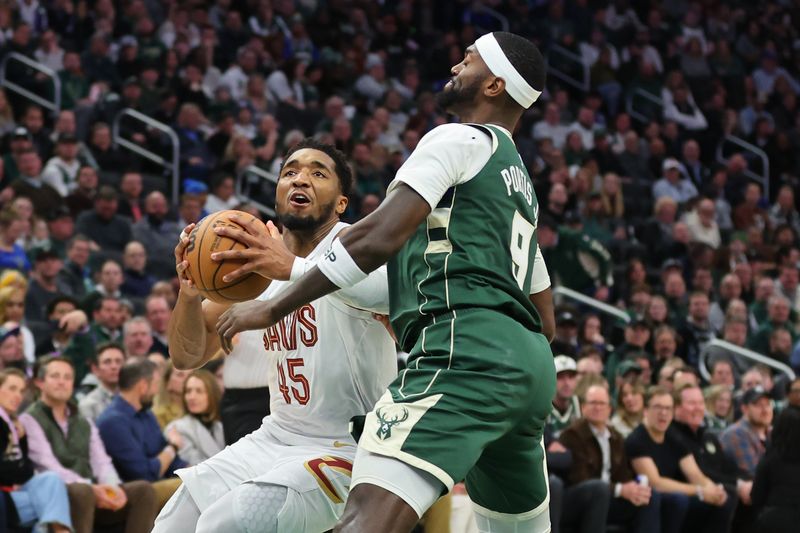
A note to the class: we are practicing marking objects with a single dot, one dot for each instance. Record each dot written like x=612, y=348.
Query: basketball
x=207, y=274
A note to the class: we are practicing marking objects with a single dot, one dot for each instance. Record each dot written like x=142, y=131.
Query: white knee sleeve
x=536, y=521
x=256, y=507
x=178, y=515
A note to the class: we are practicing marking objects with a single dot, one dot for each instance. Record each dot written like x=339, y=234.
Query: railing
x=599, y=306
x=55, y=105
x=480, y=8
x=755, y=150
x=559, y=54
x=256, y=176
x=738, y=351
x=644, y=95
x=173, y=166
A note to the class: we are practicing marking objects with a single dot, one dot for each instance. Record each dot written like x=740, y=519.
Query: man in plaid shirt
x=745, y=441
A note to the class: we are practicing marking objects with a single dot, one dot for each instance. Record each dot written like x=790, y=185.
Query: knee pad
x=256, y=507
x=492, y=522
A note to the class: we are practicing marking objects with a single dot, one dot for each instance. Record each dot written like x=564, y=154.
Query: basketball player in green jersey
x=469, y=302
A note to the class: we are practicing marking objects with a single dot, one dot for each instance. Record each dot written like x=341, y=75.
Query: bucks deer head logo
x=389, y=418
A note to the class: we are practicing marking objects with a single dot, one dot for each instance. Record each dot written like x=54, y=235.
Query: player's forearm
x=187, y=333
x=312, y=286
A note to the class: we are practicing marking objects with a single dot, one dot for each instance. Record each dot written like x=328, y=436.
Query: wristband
x=339, y=267
x=617, y=489
x=299, y=267
x=700, y=493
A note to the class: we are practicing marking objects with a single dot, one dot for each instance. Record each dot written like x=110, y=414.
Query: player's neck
x=490, y=115
x=302, y=243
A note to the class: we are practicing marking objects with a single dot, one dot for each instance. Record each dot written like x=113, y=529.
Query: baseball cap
x=43, y=254
x=565, y=317
x=628, y=366
x=21, y=132
x=67, y=138
x=565, y=363
x=754, y=394
x=670, y=163
x=191, y=186
x=8, y=329
x=60, y=212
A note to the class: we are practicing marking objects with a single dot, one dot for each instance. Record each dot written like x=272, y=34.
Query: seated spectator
x=200, y=428
x=158, y=312
x=702, y=224
x=130, y=202
x=749, y=213
x=222, y=194
x=38, y=499
x=745, y=441
x=82, y=198
x=105, y=366
x=168, y=404
x=600, y=481
x=44, y=285
x=61, y=171
x=103, y=225
x=157, y=234
x=75, y=274
x=62, y=441
x=137, y=282
x=696, y=331
x=778, y=317
x=108, y=157
x=776, y=487
x=630, y=407
x=137, y=337
x=566, y=405
x=12, y=309
x=131, y=433
x=104, y=327
x=673, y=184
x=109, y=284
x=656, y=452
x=719, y=406
x=12, y=255
x=65, y=321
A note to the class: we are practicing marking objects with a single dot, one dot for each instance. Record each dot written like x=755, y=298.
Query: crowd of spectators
x=642, y=208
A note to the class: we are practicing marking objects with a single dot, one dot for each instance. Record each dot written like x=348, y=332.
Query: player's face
x=465, y=84
x=308, y=192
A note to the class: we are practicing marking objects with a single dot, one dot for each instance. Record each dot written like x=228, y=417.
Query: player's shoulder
x=455, y=133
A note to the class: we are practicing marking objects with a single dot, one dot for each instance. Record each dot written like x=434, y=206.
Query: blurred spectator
x=696, y=331
x=777, y=318
x=103, y=152
x=196, y=158
x=75, y=274
x=222, y=194
x=11, y=354
x=62, y=441
x=130, y=202
x=745, y=441
x=105, y=365
x=39, y=499
x=82, y=198
x=157, y=234
x=629, y=407
x=30, y=184
x=673, y=184
x=702, y=224
x=136, y=337
x=200, y=428
x=12, y=309
x=12, y=255
x=44, y=285
x=64, y=319
x=168, y=405
x=566, y=405
x=61, y=171
x=783, y=211
x=137, y=282
x=719, y=406
x=103, y=224
x=158, y=312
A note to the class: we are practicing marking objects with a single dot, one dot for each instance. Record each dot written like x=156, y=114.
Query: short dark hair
x=135, y=370
x=98, y=304
x=102, y=347
x=61, y=298
x=44, y=362
x=107, y=192
x=655, y=390
x=524, y=56
x=342, y=168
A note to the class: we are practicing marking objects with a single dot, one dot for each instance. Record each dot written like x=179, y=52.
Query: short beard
x=147, y=403
x=306, y=223
x=451, y=100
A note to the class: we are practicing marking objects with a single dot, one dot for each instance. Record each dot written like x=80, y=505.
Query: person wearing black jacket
x=31, y=499
x=776, y=488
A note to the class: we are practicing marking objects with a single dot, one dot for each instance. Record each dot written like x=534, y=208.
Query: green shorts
x=472, y=406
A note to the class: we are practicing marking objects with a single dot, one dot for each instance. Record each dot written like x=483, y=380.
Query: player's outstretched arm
x=370, y=243
x=191, y=346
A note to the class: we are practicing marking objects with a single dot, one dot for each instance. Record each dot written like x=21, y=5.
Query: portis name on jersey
x=299, y=325
x=515, y=178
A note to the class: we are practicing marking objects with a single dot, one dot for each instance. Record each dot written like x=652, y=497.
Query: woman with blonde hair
x=13, y=278
x=168, y=404
x=200, y=428
x=719, y=406
x=630, y=407
x=12, y=309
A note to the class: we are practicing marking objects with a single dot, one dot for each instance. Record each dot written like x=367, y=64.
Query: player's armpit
x=543, y=302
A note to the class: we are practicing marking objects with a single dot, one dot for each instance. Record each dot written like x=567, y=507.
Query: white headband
x=516, y=86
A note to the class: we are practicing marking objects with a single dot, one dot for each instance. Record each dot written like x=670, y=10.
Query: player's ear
x=494, y=87
x=341, y=204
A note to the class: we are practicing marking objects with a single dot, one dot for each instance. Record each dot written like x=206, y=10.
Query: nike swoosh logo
x=340, y=444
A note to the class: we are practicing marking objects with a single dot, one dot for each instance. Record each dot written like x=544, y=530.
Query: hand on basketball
x=182, y=265
x=266, y=254
x=244, y=316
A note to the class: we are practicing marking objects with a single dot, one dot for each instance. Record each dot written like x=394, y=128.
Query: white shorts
x=317, y=470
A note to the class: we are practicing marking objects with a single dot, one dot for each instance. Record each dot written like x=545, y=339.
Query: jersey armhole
x=495, y=144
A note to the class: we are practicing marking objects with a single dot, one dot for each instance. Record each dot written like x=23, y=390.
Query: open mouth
x=299, y=199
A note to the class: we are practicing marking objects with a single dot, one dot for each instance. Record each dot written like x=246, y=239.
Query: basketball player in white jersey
x=327, y=362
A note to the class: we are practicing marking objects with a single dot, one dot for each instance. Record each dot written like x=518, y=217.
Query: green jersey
x=478, y=246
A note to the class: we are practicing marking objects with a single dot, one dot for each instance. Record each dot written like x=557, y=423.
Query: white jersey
x=329, y=360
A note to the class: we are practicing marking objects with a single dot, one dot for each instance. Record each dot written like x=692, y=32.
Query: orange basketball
x=207, y=274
